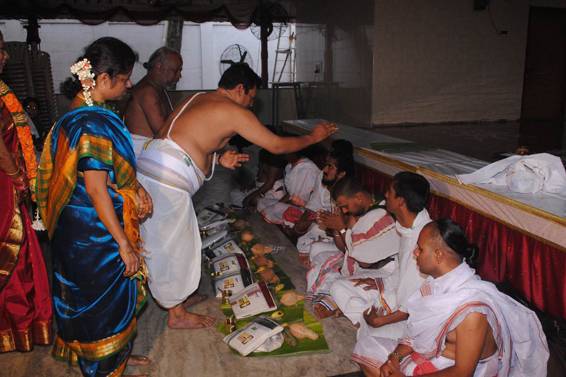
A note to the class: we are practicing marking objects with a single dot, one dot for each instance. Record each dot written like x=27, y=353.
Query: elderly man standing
x=150, y=104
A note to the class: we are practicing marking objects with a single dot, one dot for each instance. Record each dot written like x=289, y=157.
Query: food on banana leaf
x=300, y=331
x=279, y=287
x=260, y=249
x=267, y=275
x=277, y=314
x=289, y=339
x=262, y=261
x=247, y=236
x=291, y=298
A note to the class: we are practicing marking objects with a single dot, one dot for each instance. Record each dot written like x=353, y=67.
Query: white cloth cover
x=442, y=304
x=171, y=235
x=139, y=141
x=524, y=174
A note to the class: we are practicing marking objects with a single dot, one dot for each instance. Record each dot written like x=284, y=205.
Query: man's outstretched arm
x=249, y=127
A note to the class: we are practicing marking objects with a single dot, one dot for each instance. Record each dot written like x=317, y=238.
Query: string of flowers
x=24, y=134
x=83, y=70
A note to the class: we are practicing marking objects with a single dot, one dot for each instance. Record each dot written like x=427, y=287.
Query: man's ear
x=402, y=202
x=439, y=255
x=240, y=89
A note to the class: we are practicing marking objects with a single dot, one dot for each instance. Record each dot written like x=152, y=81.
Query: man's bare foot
x=304, y=259
x=179, y=318
x=194, y=299
x=138, y=360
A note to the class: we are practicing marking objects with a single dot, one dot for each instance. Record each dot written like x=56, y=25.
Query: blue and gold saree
x=95, y=305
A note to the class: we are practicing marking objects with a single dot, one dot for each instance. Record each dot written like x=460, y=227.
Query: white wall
x=65, y=41
x=310, y=52
x=441, y=61
x=346, y=97
x=202, y=45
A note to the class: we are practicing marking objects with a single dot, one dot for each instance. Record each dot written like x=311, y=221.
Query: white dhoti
x=300, y=181
x=354, y=300
x=276, y=193
x=373, y=351
x=171, y=235
x=326, y=262
x=314, y=234
x=139, y=141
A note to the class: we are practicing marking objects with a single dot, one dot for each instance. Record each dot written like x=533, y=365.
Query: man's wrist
x=395, y=356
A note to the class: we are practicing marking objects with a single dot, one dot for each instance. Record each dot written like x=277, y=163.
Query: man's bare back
x=211, y=119
x=148, y=107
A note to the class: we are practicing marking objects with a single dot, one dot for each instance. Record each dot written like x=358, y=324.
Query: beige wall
x=343, y=93
x=441, y=61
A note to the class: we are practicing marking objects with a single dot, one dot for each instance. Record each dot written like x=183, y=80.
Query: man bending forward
x=173, y=168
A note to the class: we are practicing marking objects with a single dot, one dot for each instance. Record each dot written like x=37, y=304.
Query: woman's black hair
x=454, y=236
x=106, y=55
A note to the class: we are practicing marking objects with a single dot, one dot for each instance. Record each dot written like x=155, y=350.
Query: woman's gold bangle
x=17, y=172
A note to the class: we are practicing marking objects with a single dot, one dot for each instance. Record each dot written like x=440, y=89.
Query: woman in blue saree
x=91, y=204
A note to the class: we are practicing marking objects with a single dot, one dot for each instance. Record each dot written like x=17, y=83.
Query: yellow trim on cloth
x=98, y=350
x=11, y=245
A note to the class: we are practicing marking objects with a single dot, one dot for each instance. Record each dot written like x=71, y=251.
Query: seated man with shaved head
x=460, y=325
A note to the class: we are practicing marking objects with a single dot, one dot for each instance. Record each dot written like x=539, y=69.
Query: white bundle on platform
x=524, y=174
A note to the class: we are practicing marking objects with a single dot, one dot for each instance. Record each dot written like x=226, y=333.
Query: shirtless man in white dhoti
x=371, y=244
x=174, y=167
x=459, y=325
x=376, y=305
x=150, y=105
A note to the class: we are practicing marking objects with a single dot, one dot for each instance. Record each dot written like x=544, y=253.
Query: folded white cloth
x=525, y=174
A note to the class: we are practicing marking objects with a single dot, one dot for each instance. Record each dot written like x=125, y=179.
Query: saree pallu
x=95, y=305
x=25, y=299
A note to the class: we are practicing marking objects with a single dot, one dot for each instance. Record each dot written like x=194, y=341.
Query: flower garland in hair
x=83, y=70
